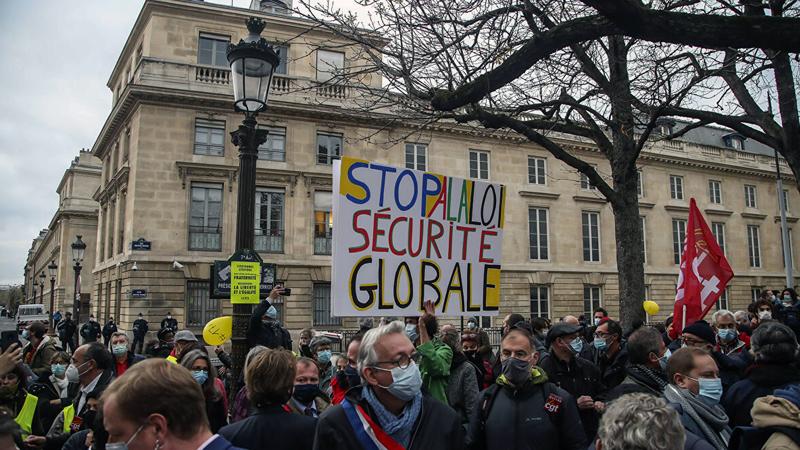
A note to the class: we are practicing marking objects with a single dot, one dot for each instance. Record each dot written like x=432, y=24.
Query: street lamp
x=42, y=277
x=52, y=268
x=78, y=249
x=252, y=63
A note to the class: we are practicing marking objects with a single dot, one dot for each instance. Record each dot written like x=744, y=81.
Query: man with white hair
x=728, y=340
x=389, y=411
x=640, y=421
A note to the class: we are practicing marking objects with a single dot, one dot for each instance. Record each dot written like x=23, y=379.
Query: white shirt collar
x=90, y=387
x=207, y=442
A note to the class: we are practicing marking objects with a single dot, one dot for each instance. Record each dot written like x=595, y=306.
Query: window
x=479, y=164
x=323, y=223
x=205, y=225
x=209, y=137
x=540, y=301
x=718, y=230
x=587, y=185
x=665, y=129
x=212, y=50
x=329, y=147
x=734, y=141
x=676, y=187
x=592, y=299
x=200, y=307
x=755, y=294
x=121, y=223
x=722, y=301
x=750, y=196
x=639, y=183
x=791, y=248
x=274, y=149
x=269, y=221
x=678, y=238
x=101, y=235
x=126, y=145
x=754, y=246
x=329, y=64
x=785, y=198
x=591, y=236
x=538, y=227
x=715, y=191
x=283, y=54
x=322, y=306
x=416, y=156
x=537, y=170
x=644, y=240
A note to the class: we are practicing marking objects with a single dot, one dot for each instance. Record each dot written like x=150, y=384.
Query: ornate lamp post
x=52, y=268
x=252, y=63
x=42, y=277
x=78, y=249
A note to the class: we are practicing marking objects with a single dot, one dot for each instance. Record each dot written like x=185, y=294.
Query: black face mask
x=470, y=353
x=305, y=393
x=88, y=420
x=353, y=378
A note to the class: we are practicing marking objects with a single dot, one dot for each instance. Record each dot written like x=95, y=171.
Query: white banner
x=403, y=236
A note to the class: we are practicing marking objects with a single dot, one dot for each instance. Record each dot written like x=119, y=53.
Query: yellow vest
x=172, y=359
x=69, y=416
x=25, y=417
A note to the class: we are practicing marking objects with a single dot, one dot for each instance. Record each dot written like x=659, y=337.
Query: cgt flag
x=704, y=273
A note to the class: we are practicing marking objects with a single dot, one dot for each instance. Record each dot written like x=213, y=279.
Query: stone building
x=170, y=178
x=76, y=215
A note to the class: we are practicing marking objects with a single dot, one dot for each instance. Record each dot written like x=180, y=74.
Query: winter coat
x=274, y=425
x=730, y=368
x=781, y=414
x=40, y=361
x=538, y=415
x=639, y=379
x=437, y=428
x=462, y=386
x=789, y=316
x=434, y=365
x=66, y=329
x=45, y=390
x=90, y=331
x=612, y=371
x=579, y=377
x=140, y=328
x=761, y=380
x=171, y=323
x=271, y=335
x=108, y=329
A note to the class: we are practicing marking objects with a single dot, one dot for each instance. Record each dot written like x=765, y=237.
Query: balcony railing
x=215, y=75
x=322, y=244
x=268, y=241
x=205, y=238
x=336, y=91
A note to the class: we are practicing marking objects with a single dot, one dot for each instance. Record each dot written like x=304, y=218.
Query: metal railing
x=322, y=244
x=205, y=238
x=268, y=241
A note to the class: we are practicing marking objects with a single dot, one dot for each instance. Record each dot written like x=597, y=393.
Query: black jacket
x=171, y=323
x=612, y=371
x=66, y=329
x=90, y=331
x=74, y=392
x=579, y=377
x=108, y=329
x=730, y=368
x=762, y=379
x=132, y=359
x=274, y=427
x=517, y=419
x=270, y=335
x=438, y=427
x=140, y=328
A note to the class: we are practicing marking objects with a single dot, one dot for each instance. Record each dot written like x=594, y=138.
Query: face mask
x=272, y=313
x=91, y=319
x=597, y=321
x=470, y=353
x=58, y=369
x=9, y=391
x=406, y=382
x=353, y=378
x=726, y=335
x=73, y=374
x=600, y=344
x=710, y=388
x=201, y=376
x=88, y=420
x=663, y=360
x=472, y=325
x=787, y=299
x=411, y=332
x=26, y=334
x=765, y=315
x=576, y=345
x=123, y=445
x=516, y=371
x=119, y=349
x=324, y=356
x=305, y=393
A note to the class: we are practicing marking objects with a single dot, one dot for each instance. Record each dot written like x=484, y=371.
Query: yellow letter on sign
x=245, y=282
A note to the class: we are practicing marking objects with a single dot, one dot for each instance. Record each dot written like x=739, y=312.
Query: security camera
x=176, y=265
x=134, y=267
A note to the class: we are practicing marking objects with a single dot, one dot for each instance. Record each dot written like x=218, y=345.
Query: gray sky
x=57, y=57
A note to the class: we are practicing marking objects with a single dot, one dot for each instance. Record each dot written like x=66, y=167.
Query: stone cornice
x=118, y=183
x=718, y=212
x=677, y=208
x=288, y=177
x=588, y=199
x=317, y=180
x=646, y=205
x=790, y=219
x=540, y=195
x=751, y=215
x=187, y=169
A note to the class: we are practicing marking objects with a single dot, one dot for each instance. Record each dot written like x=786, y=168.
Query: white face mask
x=124, y=445
x=764, y=315
x=72, y=374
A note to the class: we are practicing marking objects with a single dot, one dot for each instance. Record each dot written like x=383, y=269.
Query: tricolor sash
x=368, y=433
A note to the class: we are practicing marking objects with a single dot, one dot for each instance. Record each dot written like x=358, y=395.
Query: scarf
x=652, y=378
x=711, y=419
x=538, y=376
x=398, y=427
x=61, y=385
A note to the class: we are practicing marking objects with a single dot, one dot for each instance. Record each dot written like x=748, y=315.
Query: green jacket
x=434, y=364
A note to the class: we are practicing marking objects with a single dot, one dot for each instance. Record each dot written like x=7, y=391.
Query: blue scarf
x=398, y=427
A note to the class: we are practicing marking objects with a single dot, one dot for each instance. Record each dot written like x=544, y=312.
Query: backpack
x=752, y=438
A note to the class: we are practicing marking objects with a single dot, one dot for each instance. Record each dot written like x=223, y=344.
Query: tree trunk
x=630, y=256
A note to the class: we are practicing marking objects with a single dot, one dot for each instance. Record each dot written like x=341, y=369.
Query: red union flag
x=704, y=273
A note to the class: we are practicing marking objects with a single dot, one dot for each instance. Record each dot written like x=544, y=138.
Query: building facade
x=169, y=178
x=76, y=215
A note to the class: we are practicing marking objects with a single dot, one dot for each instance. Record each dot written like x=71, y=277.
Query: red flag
x=704, y=273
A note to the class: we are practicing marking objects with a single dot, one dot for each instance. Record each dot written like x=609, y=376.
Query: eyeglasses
x=402, y=361
x=693, y=343
x=602, y=335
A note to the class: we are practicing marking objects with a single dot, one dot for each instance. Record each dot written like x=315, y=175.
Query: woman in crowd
x=51, y=389
x=205, y=375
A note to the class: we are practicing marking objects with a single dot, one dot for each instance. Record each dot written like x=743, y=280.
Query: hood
x=771, y=411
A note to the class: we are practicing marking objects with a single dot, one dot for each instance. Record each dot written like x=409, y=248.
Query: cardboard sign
x=402, y=236
x=245, y=282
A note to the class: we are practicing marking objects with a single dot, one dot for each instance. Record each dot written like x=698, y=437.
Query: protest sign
x=402, y=236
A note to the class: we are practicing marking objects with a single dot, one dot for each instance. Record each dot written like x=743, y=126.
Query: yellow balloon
x=219, y=330
x=650, y=307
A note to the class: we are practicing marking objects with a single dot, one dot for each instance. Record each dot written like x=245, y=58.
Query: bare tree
x=542, y=69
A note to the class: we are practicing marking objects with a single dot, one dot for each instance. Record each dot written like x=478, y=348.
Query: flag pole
x=683, y=318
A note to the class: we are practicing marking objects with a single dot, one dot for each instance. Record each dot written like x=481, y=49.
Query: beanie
x=703, y=330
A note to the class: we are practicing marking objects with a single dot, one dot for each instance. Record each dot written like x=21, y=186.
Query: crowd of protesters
x=729, y=382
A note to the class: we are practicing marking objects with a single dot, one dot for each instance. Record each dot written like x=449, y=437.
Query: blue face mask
x=324, y=356
x=272, y=313
x=600, y=344
x=406, y=383
x=201, y=376
x=710, y=388
x=26, y=334
x=726, y=335
x=663, y=360
x=411, y=332
x=576, y=345
x=58, y=369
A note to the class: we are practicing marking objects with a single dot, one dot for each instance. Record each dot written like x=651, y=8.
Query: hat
x=703, y=330
x=185, y=335
x=317, y=341
x=472, y=320
x=561, y=329
x=163, y=332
